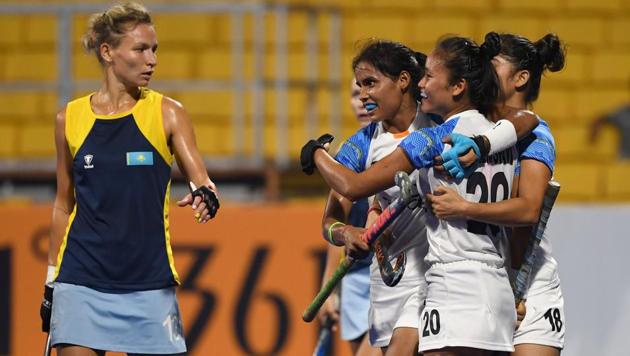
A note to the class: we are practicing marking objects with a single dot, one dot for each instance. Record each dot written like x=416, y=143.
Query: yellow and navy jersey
x=117, y=237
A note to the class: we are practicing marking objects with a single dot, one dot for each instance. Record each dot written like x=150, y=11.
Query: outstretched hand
x=205, y=204
x=461, y=159
x=446, y=203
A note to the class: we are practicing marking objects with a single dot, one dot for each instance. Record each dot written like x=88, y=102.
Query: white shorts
x=394, y=307
x=468, y=304
x=544, y=319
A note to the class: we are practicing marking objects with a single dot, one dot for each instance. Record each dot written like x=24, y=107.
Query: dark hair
x=110, y=26
x=466, y=60
x=545, y=54
x=391, y=58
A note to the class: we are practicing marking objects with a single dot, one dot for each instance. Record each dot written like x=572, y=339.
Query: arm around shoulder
x=514, y=125
x=524, y=121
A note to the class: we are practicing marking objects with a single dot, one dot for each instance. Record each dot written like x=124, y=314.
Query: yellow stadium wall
x=595, y=80
x=277, y=247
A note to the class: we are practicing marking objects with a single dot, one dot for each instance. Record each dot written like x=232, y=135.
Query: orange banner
x=247, y=276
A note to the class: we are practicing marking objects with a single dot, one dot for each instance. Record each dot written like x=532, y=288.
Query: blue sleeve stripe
x=423, y=145
x=539, y=145
x=353, y=152
x=541, y=149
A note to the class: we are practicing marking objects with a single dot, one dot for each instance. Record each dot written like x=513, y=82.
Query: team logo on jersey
x=139, y=158
x=88, y=161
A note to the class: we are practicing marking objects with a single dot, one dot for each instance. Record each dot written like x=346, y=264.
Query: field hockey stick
x=522, y=278
x=390, y=275
x=48, y=347
x=324, y=341
x=383, y=221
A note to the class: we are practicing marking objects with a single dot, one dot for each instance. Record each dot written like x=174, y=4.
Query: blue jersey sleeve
x=539, y=145
x=423, y=145
x=353, y=152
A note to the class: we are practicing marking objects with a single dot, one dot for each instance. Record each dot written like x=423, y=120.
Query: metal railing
x=66, y=84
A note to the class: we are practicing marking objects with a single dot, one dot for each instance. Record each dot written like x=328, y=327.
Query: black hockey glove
x=308, y=151
x=209, y=197
x=45, y=310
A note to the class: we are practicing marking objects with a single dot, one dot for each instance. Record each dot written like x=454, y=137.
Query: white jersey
x=408, y=232
x=461, y=239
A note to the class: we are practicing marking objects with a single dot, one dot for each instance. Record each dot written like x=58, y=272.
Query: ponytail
x=548, y=53
x=464, y=59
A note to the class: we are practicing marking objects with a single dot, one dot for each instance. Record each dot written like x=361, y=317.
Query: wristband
x=50, y=275
x=374, y=208
x=501, y=136
x=330, y=228
x=483, y=147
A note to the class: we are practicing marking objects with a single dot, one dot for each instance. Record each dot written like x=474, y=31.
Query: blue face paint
x=370, y=106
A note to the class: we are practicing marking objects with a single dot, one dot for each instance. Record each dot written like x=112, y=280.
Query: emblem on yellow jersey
x=88, y=161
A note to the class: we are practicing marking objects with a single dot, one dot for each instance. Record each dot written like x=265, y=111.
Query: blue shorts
x=355, y=303
x=143, y=322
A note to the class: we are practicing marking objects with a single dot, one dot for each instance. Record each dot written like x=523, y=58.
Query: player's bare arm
x=512, y=124
x=351, y=236
x=63, y=206
x=64, y=199
x=181, y=138
x=334, y=219
x=524, y=121
x=335, y=216
x=523, y=210
x=354, y=186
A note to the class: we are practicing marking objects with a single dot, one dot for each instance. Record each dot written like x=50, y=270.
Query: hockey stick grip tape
x=384, y=220
x=327, y=289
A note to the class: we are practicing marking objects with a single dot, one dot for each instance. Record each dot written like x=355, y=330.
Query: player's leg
x=355, y=344
x=458, y=351
x=364, y=348
x=74, y=350
x=534, y=349
x=404, y=342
